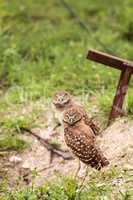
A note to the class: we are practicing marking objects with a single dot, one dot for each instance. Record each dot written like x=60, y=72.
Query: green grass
x=11, y=128
x=45, y=51
x=11, y=142
x=101, y=185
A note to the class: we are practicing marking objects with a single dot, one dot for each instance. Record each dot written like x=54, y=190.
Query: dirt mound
x=117, y=143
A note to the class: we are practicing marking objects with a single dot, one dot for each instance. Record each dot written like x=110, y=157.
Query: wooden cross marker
x=126, y=68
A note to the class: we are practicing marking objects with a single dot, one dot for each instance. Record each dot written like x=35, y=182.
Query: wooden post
x=120, y=93
x=126, y=68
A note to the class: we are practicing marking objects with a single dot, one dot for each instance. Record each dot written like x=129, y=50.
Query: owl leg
x=78, y=169
x=82, y=171
x=83, y=180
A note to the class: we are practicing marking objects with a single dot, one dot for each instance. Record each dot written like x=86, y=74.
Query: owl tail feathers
x=103, y=162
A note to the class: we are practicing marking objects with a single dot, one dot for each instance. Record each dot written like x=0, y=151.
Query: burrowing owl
x=63, y=100
x=80, y=139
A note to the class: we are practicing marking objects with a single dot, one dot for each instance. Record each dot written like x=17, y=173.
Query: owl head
x=61, y=98
x=72, y=116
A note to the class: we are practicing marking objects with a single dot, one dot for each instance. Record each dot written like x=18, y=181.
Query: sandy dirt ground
x=116, y=142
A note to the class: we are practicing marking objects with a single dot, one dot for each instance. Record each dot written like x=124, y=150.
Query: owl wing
x=78, y=141
x=89, y=121
x=83, y=146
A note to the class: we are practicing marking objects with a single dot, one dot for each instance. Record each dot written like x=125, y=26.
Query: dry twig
x=54, y=150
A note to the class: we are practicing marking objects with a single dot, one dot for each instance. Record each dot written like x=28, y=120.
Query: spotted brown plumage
x=63, y=100
x=80, y=138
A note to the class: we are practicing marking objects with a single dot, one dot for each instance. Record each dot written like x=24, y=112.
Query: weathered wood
x=120, y=93
x=106, y=59
x=126, y=68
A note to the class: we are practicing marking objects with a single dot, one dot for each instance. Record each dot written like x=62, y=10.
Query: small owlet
x=63, y=100
x=80, y=139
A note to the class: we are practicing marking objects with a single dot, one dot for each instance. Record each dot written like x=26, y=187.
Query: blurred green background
x=43, y=48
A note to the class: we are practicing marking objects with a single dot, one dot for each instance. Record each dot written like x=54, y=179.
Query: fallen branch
x=45, y=168
x=54, y=150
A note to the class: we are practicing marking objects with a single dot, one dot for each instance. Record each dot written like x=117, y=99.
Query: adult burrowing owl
x=63, y=100
x=80, y=139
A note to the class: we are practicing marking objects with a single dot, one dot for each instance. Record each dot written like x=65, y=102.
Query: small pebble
x=15, y=159
x=26, y=165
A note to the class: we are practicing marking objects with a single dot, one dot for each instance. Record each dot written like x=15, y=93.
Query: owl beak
x=71, y=121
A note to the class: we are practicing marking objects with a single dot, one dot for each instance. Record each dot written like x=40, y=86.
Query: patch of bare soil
x=116, y=142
